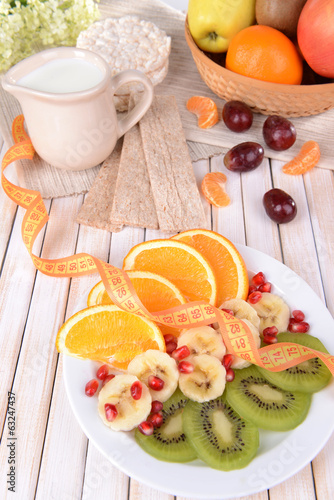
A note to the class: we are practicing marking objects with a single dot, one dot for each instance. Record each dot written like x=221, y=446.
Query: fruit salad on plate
x=180, y=391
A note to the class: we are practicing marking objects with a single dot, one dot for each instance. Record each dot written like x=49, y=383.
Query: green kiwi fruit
x=282, y=15
x=263, y=403
x=309, y=376
x=220, y=437
x=169, y=442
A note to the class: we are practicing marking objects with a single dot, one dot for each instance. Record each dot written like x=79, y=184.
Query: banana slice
x=203, y=340
x=206, y=382
x=130, y=412
x=272, y=311
x=239, y=363
x=242, y=310
x=159, y=364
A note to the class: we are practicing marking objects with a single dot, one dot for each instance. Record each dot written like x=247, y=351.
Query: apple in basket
x=213, y=23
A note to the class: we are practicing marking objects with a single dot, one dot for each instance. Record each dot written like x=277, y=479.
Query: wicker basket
x=263, y=97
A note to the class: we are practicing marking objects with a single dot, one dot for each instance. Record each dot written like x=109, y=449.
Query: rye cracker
x=133, y=201
x=175, y=192
x=96, y=209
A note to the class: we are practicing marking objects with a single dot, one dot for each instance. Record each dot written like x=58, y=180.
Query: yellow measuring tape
x=236, y=334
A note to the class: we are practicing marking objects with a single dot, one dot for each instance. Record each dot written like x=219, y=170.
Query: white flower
x=27, y=28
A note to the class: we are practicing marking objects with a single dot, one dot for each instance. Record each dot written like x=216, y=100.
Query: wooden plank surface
x=58, y=461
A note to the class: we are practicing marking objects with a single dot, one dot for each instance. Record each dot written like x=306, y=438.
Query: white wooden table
x=54, y=459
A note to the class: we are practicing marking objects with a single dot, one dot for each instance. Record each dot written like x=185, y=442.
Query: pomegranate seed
x=185, y=367
x=227, y=361
x=106, y=380
x=270, y=330
x=136, y=390
x=228, y=311
x=255, y=297
x=170, y=347
x=252, y=289
x=299, y=316
x=258, y=279
x=156, y=419
x=230, y=375
x=301, y=327
x=155, y=383
x=91, y=387
x=269, y=338
x=266, y=287
x=181, y=353
x=110, y=412
x=146, y=428
x=156, y=406
x=169, y=338
x=102, y=372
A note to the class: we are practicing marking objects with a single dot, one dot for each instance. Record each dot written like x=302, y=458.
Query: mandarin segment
x=154, y=291
x=228, y=265
x=180, y=263
x=106, y=333
x=205, y=109
x=213, y=188
x=305, y=160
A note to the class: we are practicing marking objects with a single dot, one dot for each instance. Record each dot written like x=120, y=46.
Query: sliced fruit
x=306, y=159
x=206, y=381
x=213, y=188
x=309, y=376
x=160, y=365
x=205, y=109
x=220, y=437
x=116, y=397
x=265, y=404
x=109, y=335
x=242, y=310
x=239, y=363
x=155, y=292
x=203, y=340
x=272, y=311
x=227, y=263
x=168, y=442
x=180, y=263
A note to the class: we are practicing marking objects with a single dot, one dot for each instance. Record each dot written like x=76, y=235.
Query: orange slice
x=205, y=109
x=306, y=159
x=213, y=188
x=108, y=334
x=155, y=292
x=180, y=263
x=226, y=261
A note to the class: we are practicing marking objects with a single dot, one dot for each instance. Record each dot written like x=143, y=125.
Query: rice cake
x=175, y=192
x=133, y=201
x=129, y=43
x=96, y=209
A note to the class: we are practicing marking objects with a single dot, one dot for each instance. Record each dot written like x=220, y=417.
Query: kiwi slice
x=265, y=404
x=221, y=438
x=309, y=376
x=169, y=442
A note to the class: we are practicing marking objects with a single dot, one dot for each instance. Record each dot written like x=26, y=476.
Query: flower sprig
x=27, y=26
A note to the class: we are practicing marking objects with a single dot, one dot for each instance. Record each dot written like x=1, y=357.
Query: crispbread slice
x=133, y=201
x=175, y=192
x=97, y=206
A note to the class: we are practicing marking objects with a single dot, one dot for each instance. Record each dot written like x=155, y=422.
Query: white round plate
x=280, y=455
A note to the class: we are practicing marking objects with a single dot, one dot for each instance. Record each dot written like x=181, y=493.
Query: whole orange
x=266, y=54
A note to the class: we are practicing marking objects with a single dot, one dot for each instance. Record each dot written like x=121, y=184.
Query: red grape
x=279, y=133
x=279, y=206
x=237, y=116
x=244, y=157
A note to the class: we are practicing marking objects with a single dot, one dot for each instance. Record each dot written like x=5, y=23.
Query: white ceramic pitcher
x=79, y=129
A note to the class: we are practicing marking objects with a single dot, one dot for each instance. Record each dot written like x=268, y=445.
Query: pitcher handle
x=132, y=75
